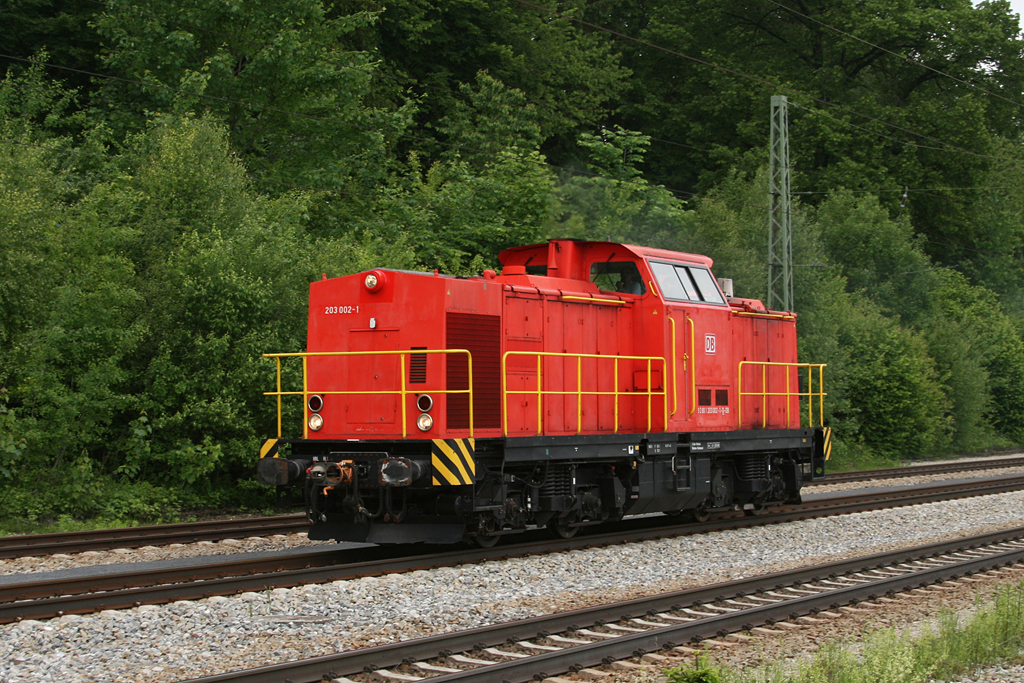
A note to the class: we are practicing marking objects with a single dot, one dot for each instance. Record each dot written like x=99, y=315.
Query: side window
x=669, y=282
x=686, y=283
x=706, y=284
x=617, y=276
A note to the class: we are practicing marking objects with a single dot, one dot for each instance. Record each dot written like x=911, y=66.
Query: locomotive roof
x=641, y=252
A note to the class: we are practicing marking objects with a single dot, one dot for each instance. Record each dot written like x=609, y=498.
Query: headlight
x=424, y=403
x=316, y=422
x=375, y=280
x=424, y=422
x=315, y=403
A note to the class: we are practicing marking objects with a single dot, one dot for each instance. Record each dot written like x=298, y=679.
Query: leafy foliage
x=162, y=220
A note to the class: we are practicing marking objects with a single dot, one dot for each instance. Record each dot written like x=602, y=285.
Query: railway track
x=191, y=532
x=917, y=471
x=161, y=534
x=49, y=598
x=534, y=649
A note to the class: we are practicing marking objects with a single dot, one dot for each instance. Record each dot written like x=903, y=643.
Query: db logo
x=709, y=343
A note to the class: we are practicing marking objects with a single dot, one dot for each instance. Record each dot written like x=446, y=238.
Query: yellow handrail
x=764, y=393
x=402, y=390
x=693, y=367
x=579, y=393
x=675, y=381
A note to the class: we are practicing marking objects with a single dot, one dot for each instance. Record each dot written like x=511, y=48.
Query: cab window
x=617, y=276
x=686, y=283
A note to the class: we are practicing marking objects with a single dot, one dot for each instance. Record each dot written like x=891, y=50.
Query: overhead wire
x=895, y=54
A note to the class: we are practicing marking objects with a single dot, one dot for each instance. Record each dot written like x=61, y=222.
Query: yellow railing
x=402, y=391
x=810, y=394
x=579, y=393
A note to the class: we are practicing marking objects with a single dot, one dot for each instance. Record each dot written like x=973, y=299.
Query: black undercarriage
x=397, y=492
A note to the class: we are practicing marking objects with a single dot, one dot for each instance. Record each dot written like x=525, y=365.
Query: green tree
x=295, y=100
x=721, y=116
x=436, y=46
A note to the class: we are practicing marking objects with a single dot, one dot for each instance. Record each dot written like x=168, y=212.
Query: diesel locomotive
x=586, y=382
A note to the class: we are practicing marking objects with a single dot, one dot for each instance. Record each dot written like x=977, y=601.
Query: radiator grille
x=481, y=336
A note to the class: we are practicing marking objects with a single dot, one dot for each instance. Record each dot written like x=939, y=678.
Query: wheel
x=755, y=511
x=485, y=541
x=700, y=514
x=559, y=527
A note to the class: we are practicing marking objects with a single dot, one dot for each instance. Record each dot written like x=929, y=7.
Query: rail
x=810, y=394
x=402, y=391
x=579, y=393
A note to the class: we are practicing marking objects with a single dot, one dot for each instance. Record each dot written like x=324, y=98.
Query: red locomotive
x=588, y=381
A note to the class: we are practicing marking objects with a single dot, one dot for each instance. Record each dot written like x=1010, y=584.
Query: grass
x=61, y=525
x=950, y=648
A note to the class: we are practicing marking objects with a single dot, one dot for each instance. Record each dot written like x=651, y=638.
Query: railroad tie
x=742, y=604
x=502, y=653
x=534, y=646
x=595, y=634
x=672, y=617
x=463, y=659
x=436, y=669
x=721, y=609
x=392, y=676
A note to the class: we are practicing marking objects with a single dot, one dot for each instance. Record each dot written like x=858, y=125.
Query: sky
x=1018, y=6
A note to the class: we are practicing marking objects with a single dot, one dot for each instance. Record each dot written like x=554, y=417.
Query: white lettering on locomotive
x=331, y=310
x=709, y=343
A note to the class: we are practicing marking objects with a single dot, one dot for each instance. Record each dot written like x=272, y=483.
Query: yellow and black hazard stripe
x=827, y=442
x=453, y=461
x=268, y=449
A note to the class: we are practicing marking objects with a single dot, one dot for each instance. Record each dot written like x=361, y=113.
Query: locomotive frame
x=568, y=391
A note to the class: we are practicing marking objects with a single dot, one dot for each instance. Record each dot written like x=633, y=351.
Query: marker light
x=424, y=403
x=316, y=422
x=424, y=422
x=315, y=403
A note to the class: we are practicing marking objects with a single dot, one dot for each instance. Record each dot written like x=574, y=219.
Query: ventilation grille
x=418, y=366
x=481, y=336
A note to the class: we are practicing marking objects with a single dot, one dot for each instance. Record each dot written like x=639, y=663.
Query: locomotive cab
x=586, y=382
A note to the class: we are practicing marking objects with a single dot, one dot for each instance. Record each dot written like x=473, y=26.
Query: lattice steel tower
x=780, y=232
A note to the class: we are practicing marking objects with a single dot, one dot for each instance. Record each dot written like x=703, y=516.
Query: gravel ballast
x=43, y=563
x=190, y=639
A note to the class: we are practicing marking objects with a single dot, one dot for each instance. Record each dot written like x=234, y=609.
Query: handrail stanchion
x=279, y=397
x=615, y=389
x=469, y=364
x=579, y=394
x=821, y=396
x=693, y=366
x=540, y=429
x=305, y=396
x=401, y=392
